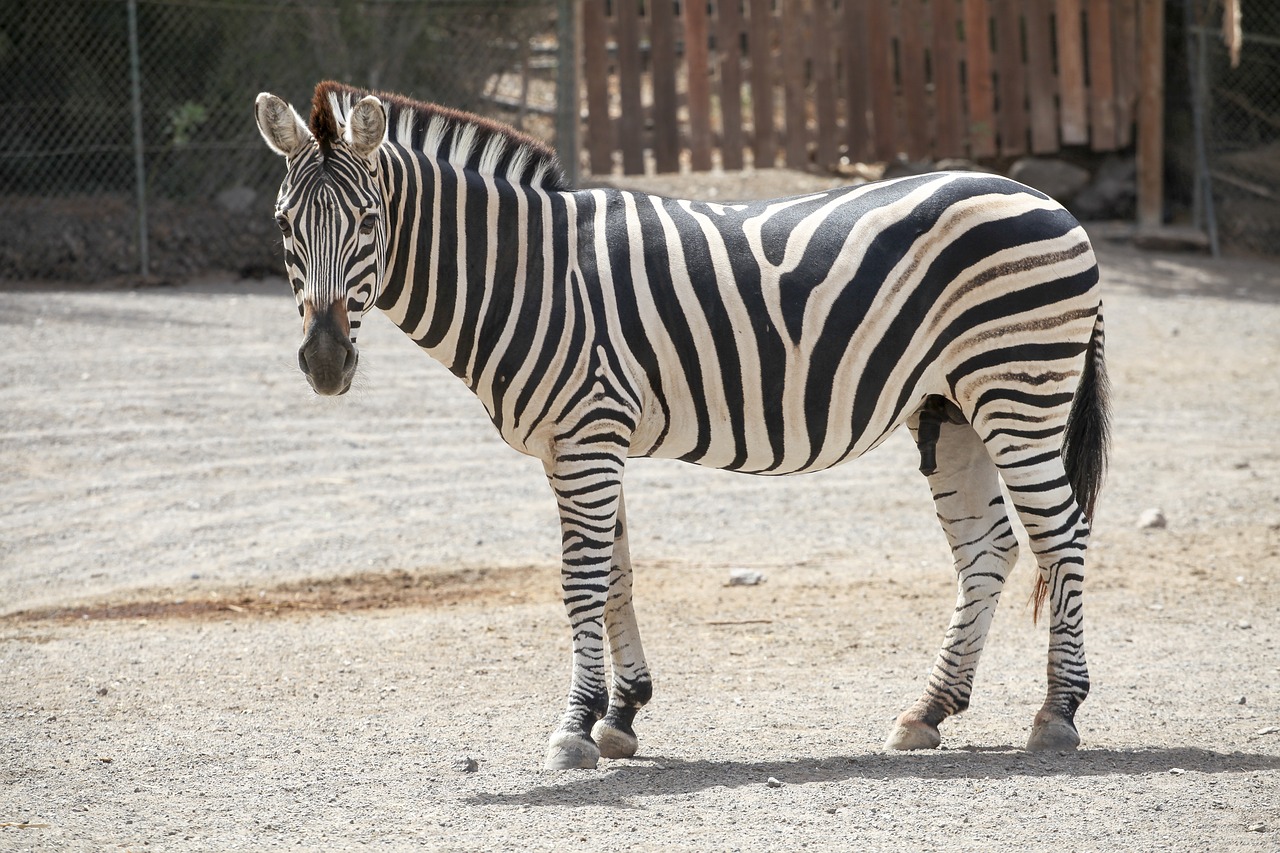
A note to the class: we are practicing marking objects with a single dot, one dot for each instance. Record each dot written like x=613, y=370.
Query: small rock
x=745, y=577
x=902, y=167
x=1244, y=625
x=1152, y=519
x=466, y=764
x=1269, y=730
x=1242, y=700
x=959, y=164
x=1177, y=771
x=1111, y=193
x=1055, y=178
x=102, y=691
x=773, y=783
x=1256, y=827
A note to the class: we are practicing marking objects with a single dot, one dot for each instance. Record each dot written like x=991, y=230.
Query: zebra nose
x=327, y=357
x=329, y=363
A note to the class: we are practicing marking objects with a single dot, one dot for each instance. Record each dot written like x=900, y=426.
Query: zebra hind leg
x=632, y=686
x=1058, y=532
x=966, y=492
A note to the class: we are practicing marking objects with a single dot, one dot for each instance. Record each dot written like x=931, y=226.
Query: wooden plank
x=600, y=139
x=662, y=63
x=699, y=84
x=948, y=113
x=1125, y=51
x=631, y=122
x=729, y=61
x=1102, y=91
x=794, y=55
x=760, y=49
x=1073, y=115
x=1011, y=84
x=1040, y=83
x=824, y=20
x=981, y=90
x=1151, y=115
x=880, y=61
x=856, y=68
x=912, y=20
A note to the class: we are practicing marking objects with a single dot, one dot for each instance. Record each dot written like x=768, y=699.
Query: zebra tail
x=1086, y=441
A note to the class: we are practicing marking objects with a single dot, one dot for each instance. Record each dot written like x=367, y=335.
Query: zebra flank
x=767, y=337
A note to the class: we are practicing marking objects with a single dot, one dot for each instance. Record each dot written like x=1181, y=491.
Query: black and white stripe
x=771, y=337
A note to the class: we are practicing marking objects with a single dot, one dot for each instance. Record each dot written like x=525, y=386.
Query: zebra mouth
x=328, y=390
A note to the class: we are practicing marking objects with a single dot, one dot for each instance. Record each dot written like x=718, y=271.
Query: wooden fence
x=803, y=83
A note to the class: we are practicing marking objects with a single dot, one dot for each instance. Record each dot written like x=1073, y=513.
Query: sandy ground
x=237, y=617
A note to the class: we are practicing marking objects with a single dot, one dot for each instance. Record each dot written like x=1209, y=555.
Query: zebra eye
x=283, y=222
x=367, y=224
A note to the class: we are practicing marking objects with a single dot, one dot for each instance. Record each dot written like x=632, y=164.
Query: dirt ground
x=238, y=617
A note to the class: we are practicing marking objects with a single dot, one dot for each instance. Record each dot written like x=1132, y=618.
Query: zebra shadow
x=625, y=783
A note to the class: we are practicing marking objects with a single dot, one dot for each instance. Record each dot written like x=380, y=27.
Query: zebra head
x=330, y=211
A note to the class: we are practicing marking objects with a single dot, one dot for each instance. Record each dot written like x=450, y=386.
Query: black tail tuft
x=1088, y=435
x=1087, y=438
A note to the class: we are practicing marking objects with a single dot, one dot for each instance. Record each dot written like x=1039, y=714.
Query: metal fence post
x=567, y=88
x=139, y=164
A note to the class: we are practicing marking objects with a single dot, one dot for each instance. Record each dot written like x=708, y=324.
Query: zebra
x=771, y=337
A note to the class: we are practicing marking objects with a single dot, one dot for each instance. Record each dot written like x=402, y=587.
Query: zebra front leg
x=632, y=685
x=588, y=488
x=966, y=492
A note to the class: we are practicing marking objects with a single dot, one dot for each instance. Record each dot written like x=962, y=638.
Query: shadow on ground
x=621, y=784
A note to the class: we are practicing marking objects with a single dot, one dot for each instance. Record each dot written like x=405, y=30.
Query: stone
x=1113, y=192
x=901, y=167
x=1152, y=519
x=1057, y=179
x=466, y=764
x=745, y=577
x=959, y=164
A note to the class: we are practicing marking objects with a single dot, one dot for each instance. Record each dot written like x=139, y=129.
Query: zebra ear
x=280, y=125
x=367, y=126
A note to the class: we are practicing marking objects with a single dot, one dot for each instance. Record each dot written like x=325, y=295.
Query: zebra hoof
x=570, y=751
x=913, y=734
x=614, y=742
x=1052, y=734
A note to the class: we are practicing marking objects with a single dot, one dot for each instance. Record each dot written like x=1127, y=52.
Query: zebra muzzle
x=327, y=357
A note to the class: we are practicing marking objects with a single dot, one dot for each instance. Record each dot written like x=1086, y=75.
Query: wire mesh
x=67, y=173
x=1239, y=198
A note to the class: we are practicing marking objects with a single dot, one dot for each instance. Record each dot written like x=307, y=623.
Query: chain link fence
x=120, y=107
x=1225, y=122
x=130, y=135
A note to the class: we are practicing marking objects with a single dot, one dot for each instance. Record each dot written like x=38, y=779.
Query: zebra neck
x=465, y=251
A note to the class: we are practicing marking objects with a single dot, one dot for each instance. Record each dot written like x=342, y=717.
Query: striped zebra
x=772, y=337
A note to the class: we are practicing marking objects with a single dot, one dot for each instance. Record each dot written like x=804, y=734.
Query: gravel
x=238, y=617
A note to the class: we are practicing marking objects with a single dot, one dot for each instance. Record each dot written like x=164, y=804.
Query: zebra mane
x=461, y=138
